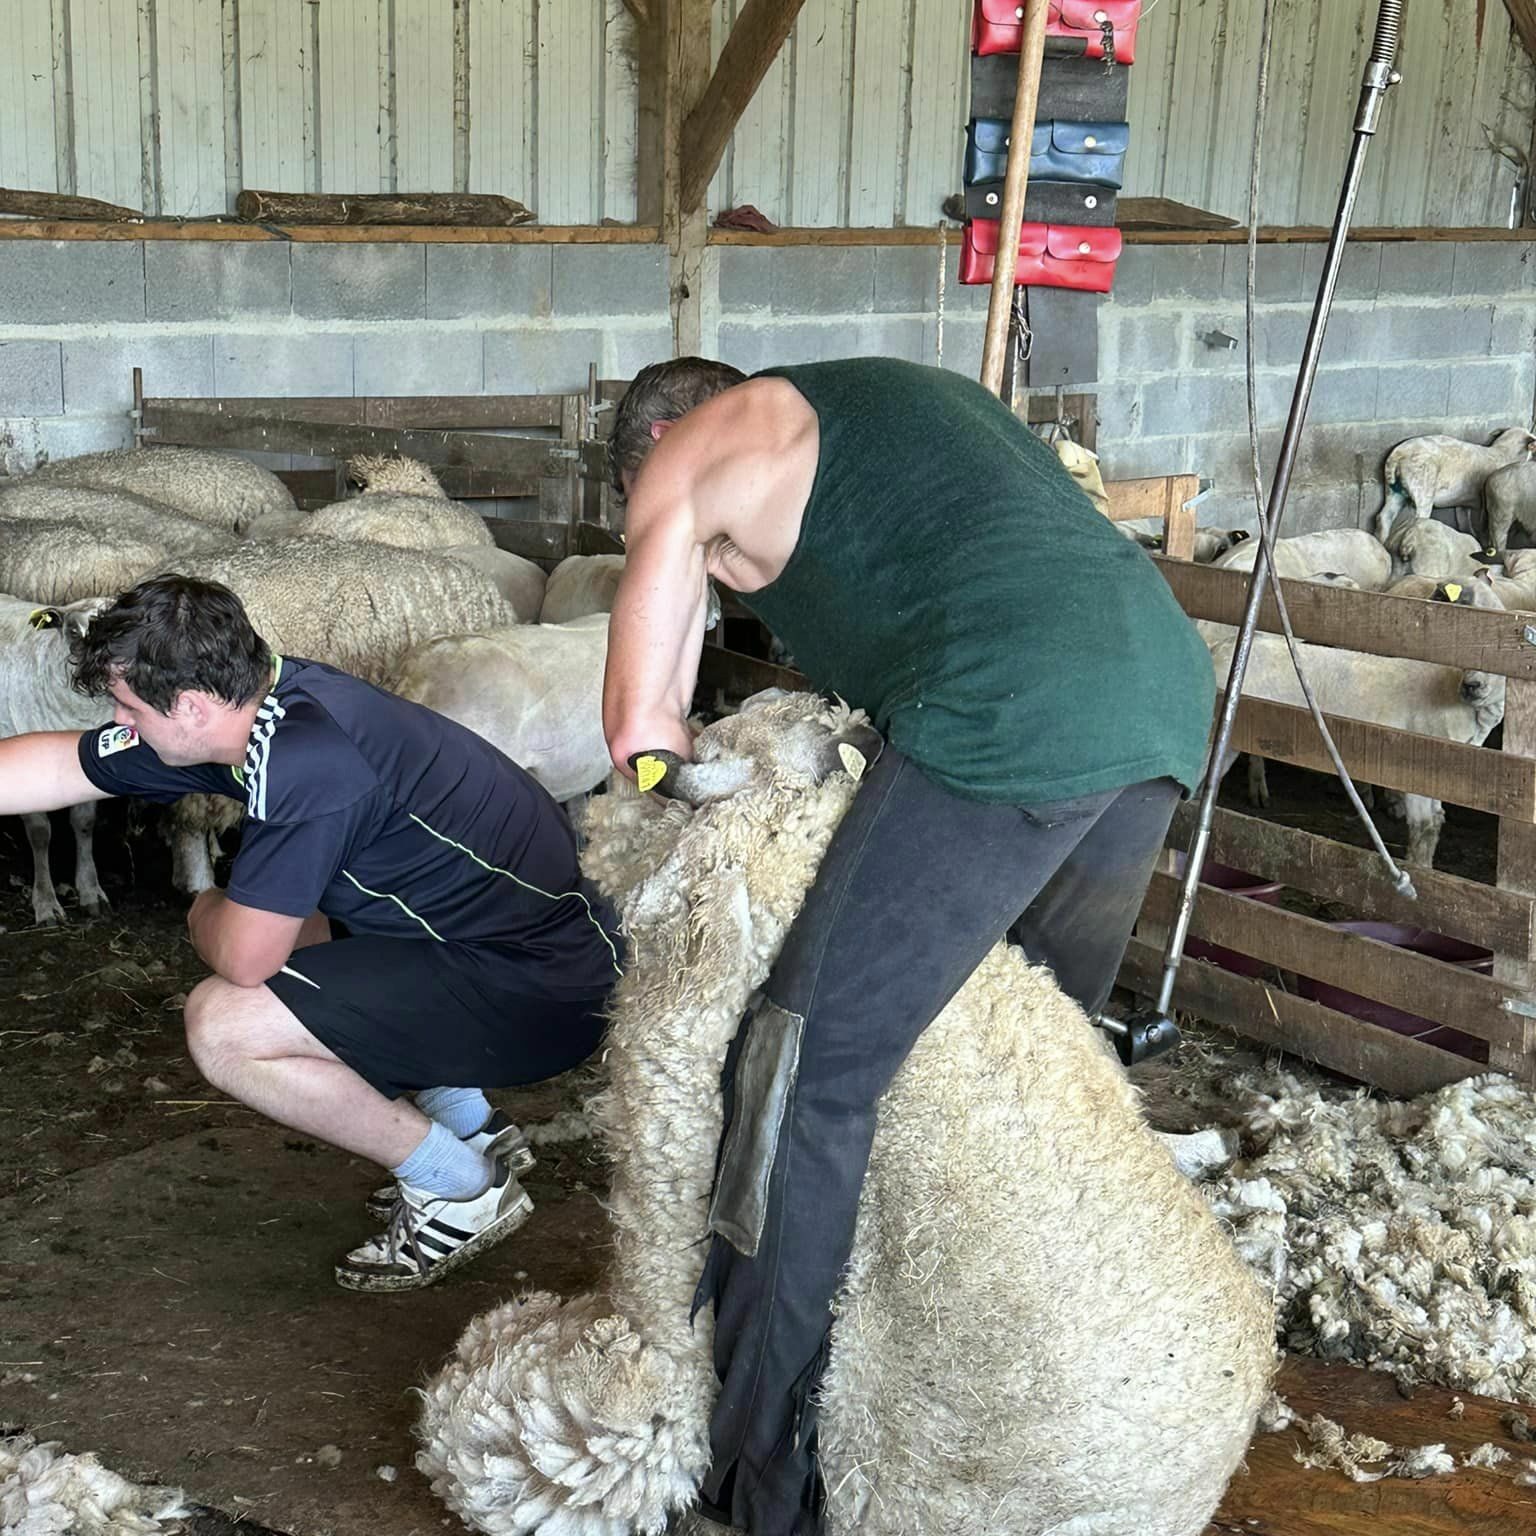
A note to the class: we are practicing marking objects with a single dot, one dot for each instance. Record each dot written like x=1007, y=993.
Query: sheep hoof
x=46, y=915
x=95, y=906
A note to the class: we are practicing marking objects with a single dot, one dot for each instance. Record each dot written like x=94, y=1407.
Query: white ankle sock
x=462, y=1110
x=444, y=1165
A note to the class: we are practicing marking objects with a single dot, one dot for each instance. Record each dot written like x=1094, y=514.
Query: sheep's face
x=1474, y=593
x=408, y=477
x=779, y=739
x=1516, y=440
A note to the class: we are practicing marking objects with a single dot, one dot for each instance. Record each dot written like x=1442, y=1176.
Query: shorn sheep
x=1509, y=498
x=220, y=489
x=534, y=691
x=579, y=585
x=1428, y=472
x=35, y=696
x=1042, y=1327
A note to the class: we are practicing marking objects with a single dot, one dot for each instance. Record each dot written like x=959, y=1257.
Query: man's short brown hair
x=662, y=392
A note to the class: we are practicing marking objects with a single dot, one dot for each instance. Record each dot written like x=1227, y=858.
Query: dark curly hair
x=662, y=392
x=170, y=634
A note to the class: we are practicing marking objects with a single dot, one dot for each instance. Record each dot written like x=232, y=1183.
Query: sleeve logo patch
x=116, y=738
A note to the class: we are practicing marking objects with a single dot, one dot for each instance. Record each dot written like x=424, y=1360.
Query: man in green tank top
x=1045, y=701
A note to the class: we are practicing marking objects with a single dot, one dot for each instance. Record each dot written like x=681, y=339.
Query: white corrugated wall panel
x=423, y=96
x=722, y=16
x=859, y=120
x=354, y=96
x=189, y=71
x=276, y=94
x=502, y=131
x=940, y=76
x=104, y=44
x=28, y=154
x=570, y=141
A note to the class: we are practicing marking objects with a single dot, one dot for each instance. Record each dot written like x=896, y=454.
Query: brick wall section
x=1431, y=337
x=1425, y=337
x=277, y=319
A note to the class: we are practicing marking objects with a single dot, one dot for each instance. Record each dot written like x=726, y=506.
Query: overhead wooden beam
x=1522, y=15
x=760, y=32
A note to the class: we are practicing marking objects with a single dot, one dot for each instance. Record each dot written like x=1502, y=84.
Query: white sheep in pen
x=1042, y=1328
x=1210, y=543
x=61, y=543
x=1417, y=696
x=35, y=696
x=1428, y=472
x=1509, y=498
x=579, y=585
x=404, y=504
x=534, y=691
x=220, y=489
x=1425, y=547
x=1344, y=551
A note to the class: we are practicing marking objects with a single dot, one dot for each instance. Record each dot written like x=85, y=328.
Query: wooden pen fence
x=1498, y=1010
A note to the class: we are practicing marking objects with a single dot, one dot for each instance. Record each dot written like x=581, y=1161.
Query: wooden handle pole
x=1031, y=52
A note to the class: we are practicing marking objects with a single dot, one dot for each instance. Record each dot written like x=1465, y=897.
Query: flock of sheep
x=1408, y=555
x=399, y=585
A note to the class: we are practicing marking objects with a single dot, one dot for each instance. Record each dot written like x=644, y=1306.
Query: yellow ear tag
x=1453, y=591
x=852, y=759
x=649, y=772
x=40, y=618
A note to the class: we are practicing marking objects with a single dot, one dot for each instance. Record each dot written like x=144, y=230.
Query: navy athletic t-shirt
x=397, y=821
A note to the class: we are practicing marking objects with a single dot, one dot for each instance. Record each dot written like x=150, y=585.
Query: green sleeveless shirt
x=953, y=581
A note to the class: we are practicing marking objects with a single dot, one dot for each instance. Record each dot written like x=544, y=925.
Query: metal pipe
x=1379, y=78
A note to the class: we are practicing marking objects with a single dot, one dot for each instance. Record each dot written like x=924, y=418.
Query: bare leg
x=247, y=1043
x=46, y=910
x=82, y=818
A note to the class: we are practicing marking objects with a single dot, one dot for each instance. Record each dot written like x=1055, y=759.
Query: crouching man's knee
x=211, y=1032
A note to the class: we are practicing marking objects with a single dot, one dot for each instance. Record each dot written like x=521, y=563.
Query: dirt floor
x=166, y=1297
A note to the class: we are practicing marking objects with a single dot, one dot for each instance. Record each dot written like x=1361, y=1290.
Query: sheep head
x=786, y=740
x=1516, y=440
x=382, y=472
x=70, y=619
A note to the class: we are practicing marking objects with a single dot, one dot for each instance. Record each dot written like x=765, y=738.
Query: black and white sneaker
x=428, y=1235
x=498, y=1137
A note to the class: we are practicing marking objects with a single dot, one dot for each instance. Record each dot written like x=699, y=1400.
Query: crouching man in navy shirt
x=476, y=956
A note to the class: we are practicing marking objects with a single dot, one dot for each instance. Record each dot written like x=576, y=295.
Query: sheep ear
x=46, y=618
x=854, y=749
x=1239, y=536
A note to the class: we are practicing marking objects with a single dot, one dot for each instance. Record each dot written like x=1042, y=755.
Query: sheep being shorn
x=1042, y=1328
x=220, y=489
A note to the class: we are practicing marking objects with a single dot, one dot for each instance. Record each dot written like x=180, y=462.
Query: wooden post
x=138, y=407
x=1517, y=872
x=674, y=60
x=1031, y=52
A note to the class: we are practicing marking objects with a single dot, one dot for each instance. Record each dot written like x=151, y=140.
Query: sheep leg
x=191, y=866
x=1500, y=519
x=1258, y=783
x=46, y=910
x=1390, y=508
x=1425, y=819
x=82, y=818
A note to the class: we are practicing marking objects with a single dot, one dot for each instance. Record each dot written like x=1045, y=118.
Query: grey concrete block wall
x=31, y=378
x=217, y=280
x=73, y=282
x=360, y=282
x=490, y=280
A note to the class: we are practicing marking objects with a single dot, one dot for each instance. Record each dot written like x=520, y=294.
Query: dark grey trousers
x=917, y=885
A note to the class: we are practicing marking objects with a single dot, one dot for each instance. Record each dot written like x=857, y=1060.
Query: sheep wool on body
x=1042, y=1327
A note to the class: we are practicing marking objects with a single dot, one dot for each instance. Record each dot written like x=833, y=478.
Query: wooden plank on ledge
x=544, y=541
x=458, y=412
x=441, y=210
x=1501, y=920
x=1417, y=984
x=1258, y=1011
x=1450, y=634
x=330, y=234
x=511, y=456
x=745, y=675
x=14, y=202
x=1476, y=777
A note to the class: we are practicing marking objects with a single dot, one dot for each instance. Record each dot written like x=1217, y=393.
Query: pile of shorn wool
x=1397, y=1234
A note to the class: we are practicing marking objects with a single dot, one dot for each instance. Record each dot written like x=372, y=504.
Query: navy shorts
x=406, y=1015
